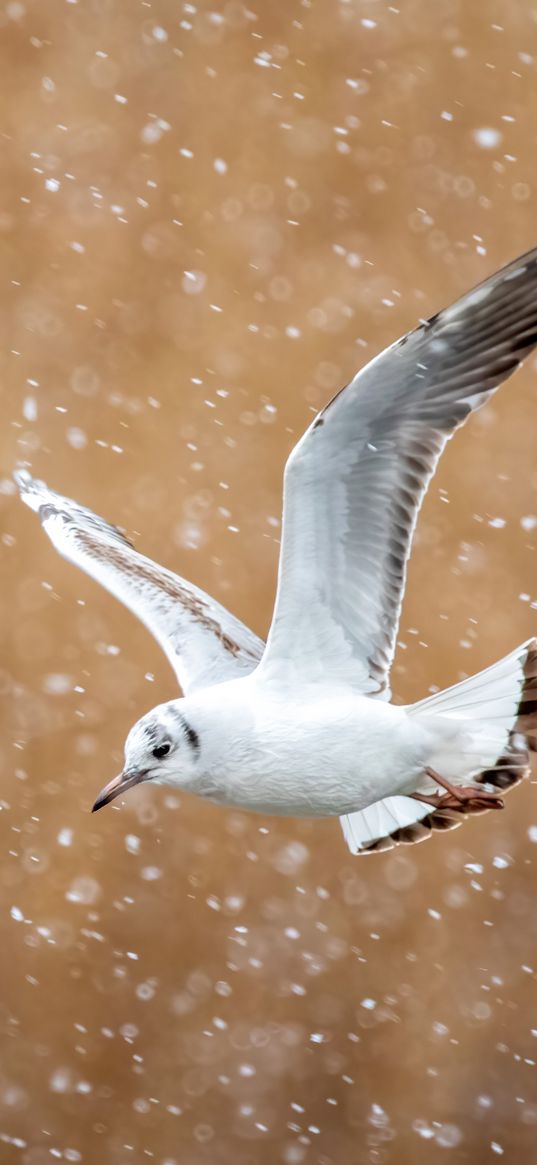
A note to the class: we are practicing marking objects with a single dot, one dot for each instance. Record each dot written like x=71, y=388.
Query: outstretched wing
x=204, y=643
x=355, y=482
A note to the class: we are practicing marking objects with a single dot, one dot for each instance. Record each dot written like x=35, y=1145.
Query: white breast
x=327, y=753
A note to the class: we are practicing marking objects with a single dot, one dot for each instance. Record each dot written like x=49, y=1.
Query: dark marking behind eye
x=190, y=733
x=192, y=736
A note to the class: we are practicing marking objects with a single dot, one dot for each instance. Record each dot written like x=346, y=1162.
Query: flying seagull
x=303, y=726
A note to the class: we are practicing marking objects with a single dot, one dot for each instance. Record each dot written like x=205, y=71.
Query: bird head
x=162, y=746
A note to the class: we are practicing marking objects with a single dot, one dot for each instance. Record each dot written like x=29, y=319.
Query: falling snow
x=210, y=220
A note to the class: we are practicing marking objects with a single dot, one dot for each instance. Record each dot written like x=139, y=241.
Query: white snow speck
x=29, y=408
x=359, y=85
x=151, y=133
x=193, y=282
x=76, y=438
x=57, y=684
x=15, y=10
x=60, y=1080
x=448, y=1136
x=423, y=1129
x=486, y=137
x=85, y=890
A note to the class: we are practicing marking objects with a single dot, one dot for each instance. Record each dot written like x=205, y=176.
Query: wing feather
x=204, y=643
x=355, y=482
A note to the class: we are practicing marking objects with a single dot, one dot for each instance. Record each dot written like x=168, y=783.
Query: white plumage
x=304, y=725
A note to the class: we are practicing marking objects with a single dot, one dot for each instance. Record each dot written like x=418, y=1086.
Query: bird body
x=326, y=753
x=304, y=726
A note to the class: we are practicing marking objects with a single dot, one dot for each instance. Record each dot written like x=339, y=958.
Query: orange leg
x=458, y=796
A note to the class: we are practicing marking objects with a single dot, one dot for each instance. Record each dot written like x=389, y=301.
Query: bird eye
x=161, y=750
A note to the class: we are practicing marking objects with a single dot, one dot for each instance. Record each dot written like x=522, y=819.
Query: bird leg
x=457, y=796
x=433, y=799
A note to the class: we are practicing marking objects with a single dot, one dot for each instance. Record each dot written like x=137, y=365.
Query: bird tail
x=485, y=728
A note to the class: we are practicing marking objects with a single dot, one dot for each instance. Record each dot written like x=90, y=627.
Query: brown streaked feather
x=204, y=643
x=170, y=586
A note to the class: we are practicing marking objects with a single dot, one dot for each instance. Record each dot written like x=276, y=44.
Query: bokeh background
x=211, y=214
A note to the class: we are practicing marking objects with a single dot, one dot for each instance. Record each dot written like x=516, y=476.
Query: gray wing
x=355, y=482
x=204, y=643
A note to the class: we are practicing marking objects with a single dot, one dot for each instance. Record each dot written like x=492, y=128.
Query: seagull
x=304, y=726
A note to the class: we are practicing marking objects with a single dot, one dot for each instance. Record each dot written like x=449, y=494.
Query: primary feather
x=204, y=643
x=355, y=482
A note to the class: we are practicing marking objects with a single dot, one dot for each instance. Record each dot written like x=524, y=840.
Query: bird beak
x=117, y=786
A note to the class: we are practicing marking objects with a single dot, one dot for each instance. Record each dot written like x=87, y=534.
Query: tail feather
x=494, y=718
x=394, y=821
x=513, y=765
x=506, y=680
x=488, y=727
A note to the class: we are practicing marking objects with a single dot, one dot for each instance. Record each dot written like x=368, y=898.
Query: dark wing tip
x=46, y=503
x=498, y=315
x=33, y=493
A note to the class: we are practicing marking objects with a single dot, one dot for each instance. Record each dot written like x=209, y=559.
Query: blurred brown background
x=210, y=216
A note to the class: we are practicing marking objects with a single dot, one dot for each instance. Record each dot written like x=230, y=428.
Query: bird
x=303, y=725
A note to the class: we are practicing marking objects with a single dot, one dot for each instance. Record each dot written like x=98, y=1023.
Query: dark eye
x=161, y=750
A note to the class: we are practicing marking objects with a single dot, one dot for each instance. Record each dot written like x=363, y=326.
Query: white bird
x=303, y=726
